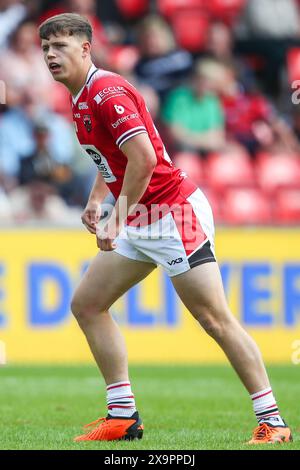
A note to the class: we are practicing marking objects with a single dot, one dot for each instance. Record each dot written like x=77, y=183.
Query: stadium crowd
x=219, y=78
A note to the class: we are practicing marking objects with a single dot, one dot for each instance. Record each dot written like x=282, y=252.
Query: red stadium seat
x=287, y=206
x=191, y=29
x=246, y=206
x=122, y=59
x=261, y=156
x=192, y=164
x=293, y=64
x=229, y=170
x=226, y=10
x=278, y=171
x=169, y=7
x=133, y=8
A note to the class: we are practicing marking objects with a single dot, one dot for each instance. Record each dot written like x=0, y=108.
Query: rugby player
x=173, y=227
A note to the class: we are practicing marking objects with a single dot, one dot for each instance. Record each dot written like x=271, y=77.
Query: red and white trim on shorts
x=179, y=240
x=192, y=234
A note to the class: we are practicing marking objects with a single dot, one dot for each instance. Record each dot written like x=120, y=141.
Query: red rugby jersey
x=107, y=112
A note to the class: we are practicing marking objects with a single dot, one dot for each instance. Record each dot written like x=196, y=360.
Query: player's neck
x=80, y=80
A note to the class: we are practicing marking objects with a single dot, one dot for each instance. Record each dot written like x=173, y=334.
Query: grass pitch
x=183, y=407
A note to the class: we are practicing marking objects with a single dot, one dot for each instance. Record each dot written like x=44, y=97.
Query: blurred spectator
x=220, y=42
x=243, y=112
x=122, y=60
x=38, y=202
x=270, y=19
x=154, y=105
x=22, y=64
x=40, y=162
x=194, y=112
x=191, y=110
x=251, y=119
x=162, y=65
x=220, y=46
x=12, y=12
x=109, y=12
x=71, y=183
x=18, y=140
x=266, y=31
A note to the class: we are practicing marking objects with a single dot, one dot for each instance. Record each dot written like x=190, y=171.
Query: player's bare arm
x=141, y=163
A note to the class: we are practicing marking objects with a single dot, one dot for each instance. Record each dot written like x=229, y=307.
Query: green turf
x=183, y=407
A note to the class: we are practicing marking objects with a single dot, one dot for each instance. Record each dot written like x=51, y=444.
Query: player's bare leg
x=108, y=277
x=201, y=291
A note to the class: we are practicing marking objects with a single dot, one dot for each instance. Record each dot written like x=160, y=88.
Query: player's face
x=64, y=56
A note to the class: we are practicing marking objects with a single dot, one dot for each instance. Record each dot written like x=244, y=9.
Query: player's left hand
x=106, y=236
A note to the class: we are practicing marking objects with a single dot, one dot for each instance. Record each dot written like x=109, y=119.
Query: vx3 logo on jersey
x=175, y=261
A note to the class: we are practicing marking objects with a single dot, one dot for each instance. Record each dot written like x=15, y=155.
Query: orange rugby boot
x=266, y=433
x=114, y=429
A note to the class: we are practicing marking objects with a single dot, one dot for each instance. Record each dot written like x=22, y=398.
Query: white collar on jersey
x=90, y=72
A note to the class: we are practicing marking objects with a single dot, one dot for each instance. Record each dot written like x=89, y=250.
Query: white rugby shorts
x=179, y=241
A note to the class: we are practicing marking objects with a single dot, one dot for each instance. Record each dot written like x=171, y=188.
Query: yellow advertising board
x=40, y=268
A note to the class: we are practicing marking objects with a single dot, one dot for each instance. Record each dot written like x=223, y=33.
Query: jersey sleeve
x=120, y=116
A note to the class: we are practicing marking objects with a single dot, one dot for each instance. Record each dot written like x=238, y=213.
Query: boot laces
x=94, y=423
x=263, y=431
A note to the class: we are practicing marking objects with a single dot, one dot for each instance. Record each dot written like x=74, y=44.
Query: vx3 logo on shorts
x=175, y=261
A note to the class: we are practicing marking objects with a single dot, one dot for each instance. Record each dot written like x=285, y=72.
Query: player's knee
x=215, y=323
x=78, y=308
x=84, y=311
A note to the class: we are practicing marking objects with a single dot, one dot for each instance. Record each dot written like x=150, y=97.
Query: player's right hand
x=91, y=216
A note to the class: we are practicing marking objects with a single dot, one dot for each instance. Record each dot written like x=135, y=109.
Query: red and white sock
x=265, y=407
x=120, y=399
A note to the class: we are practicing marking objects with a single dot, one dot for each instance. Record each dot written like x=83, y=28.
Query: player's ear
x=86, y=49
